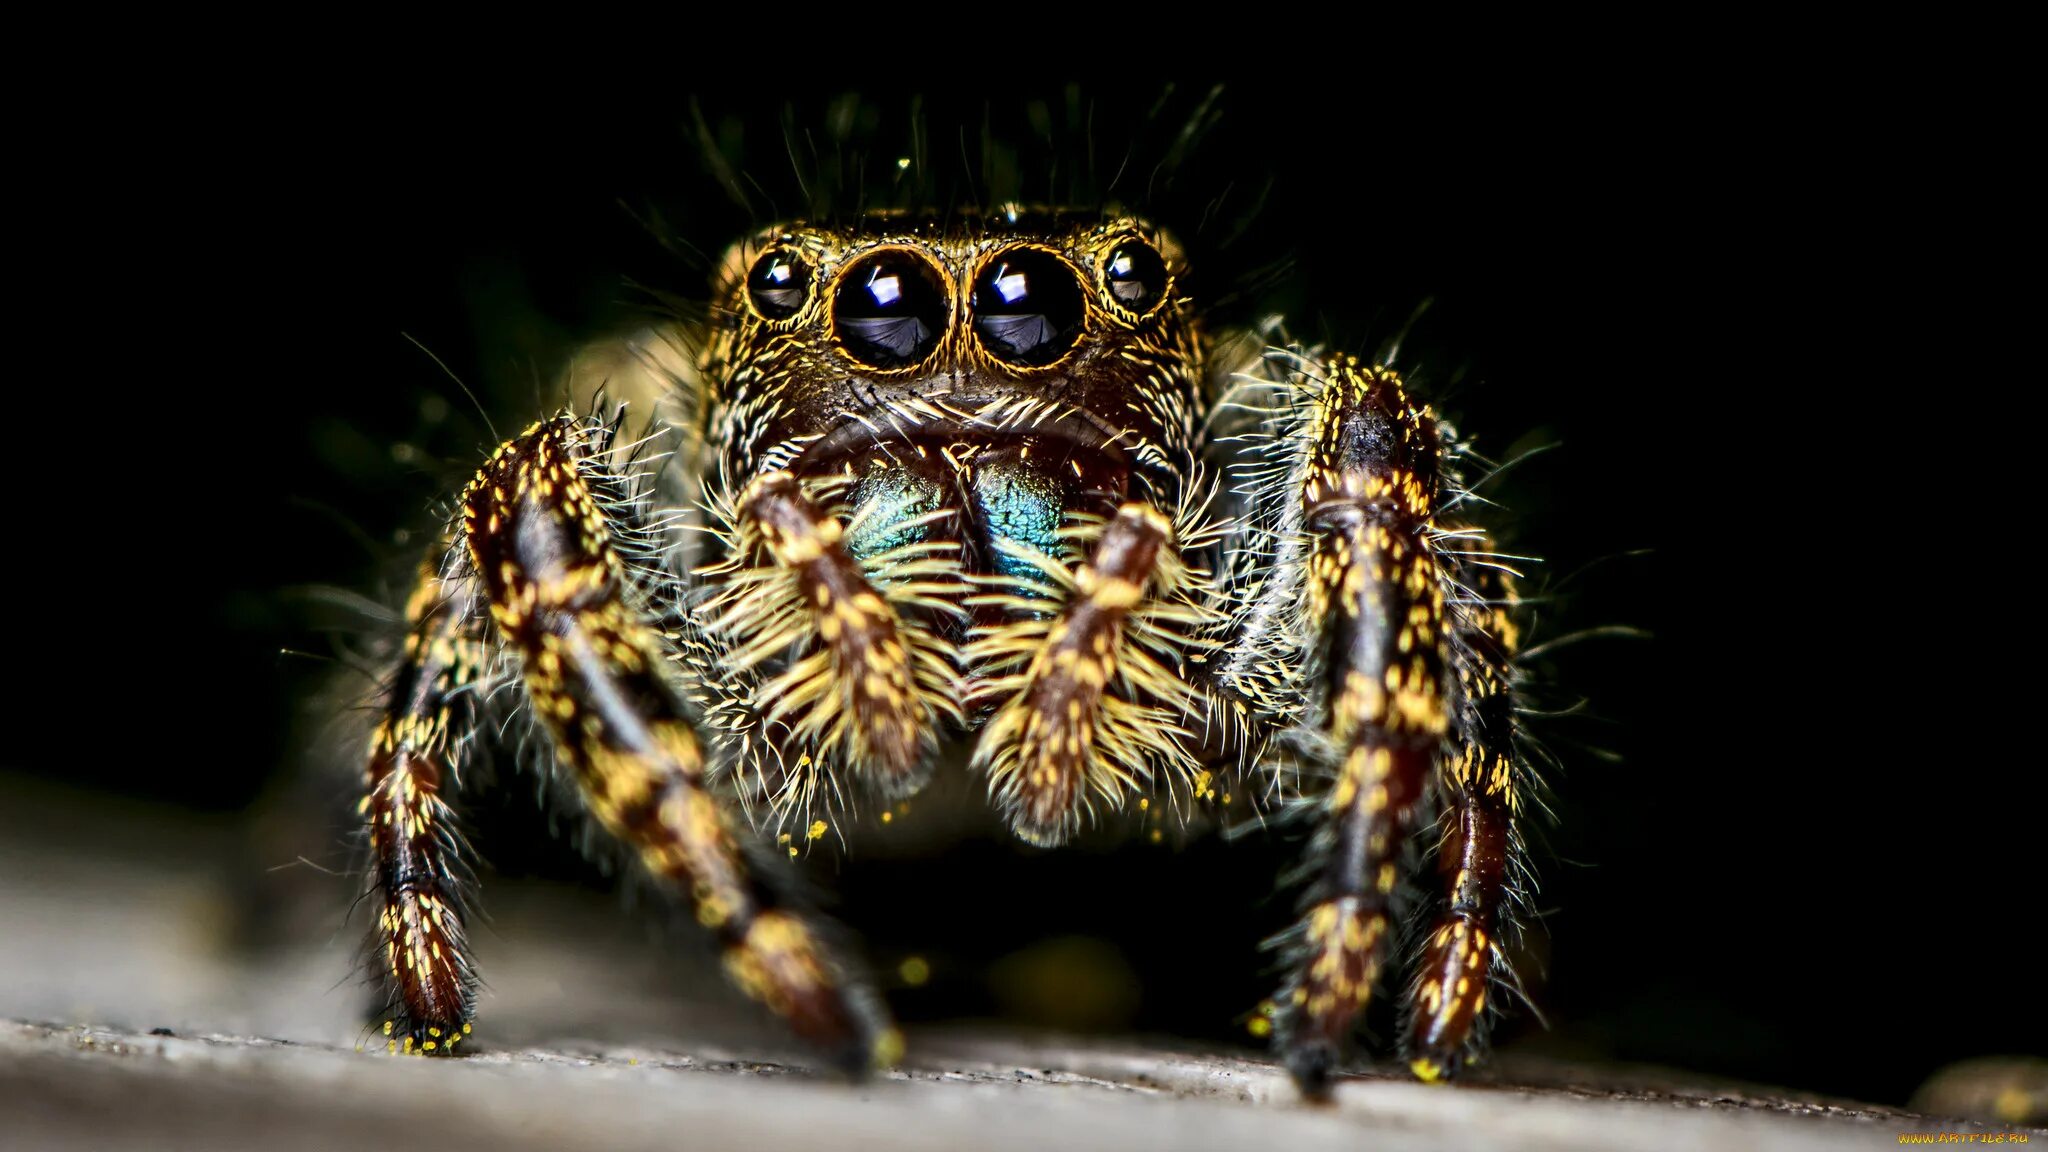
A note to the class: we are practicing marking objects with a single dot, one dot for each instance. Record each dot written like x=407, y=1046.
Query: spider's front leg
x=1366, y=630
x=1375, y=609
x=537, y=527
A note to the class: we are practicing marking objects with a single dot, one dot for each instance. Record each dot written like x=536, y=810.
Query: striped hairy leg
x=420, y=952
x=1091, y=712
x=538, y=530
x=1363, y=641
x=1481, y=859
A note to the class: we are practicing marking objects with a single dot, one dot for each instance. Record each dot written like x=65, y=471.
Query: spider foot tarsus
x=1486, y=786
x=1448, y=1000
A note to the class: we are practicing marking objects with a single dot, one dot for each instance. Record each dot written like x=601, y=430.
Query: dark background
x=1804, y=859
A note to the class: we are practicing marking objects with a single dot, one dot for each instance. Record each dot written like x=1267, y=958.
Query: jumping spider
x=978, y=495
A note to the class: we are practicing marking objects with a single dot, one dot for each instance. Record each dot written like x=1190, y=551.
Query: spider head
x=982, y=328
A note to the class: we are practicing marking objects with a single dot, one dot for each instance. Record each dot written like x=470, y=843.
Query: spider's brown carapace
x=979, y=495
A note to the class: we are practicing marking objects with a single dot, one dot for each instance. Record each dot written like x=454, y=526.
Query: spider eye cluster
x=891, y=307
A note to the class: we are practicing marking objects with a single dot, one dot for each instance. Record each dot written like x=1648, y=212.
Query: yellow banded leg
x=1485, y=790
x=860, y=692
x=1376, y=605
x=1448, y=1002
x=1063, y=730
x=595, y=672
x=420, y=950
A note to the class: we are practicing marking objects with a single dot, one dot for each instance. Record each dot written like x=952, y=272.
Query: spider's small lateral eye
x=1027, y=307
x=778, y=285
x=890, y=309
x=1136, y=275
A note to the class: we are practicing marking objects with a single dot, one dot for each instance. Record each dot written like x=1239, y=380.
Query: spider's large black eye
x=890, y=310
x=1027, y=307
x=778, y=285
x=1136, y=275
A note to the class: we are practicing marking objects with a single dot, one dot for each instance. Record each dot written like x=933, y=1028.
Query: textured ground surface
x=136, y=1013
x=97, y=1088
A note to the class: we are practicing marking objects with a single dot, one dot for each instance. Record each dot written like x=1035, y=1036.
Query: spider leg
x=416, y=852
x=869, y=691
x=540, y=530
x=1346, y=643
x=1088, y=708
x=1485, y=789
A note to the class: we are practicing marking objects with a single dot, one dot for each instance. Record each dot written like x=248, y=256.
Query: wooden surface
x=86, y=1087
x=594, y=1038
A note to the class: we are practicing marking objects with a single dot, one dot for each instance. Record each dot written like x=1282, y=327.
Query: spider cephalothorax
x=974, y=496
x=925, y=429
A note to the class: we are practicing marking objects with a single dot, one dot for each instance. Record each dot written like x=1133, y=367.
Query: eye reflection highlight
x=890, y=309
x=1028, y=307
